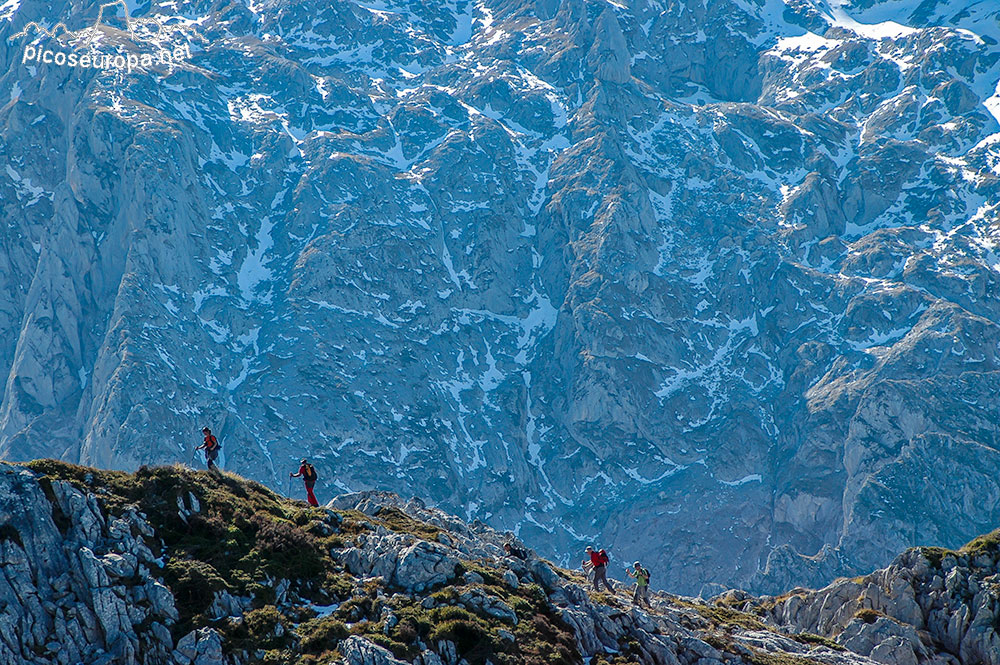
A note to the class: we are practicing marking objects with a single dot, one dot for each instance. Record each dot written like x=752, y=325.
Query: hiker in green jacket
x=641, y=577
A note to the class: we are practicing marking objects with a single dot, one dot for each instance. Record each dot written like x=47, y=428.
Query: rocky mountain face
x=171, y=566
x=713, y=283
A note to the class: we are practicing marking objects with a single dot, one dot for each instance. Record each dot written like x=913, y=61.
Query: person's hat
x=637, y=564
x=205, y=429
x=589, y=549
x=303, y=460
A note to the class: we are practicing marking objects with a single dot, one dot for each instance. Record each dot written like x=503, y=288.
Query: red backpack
x=603, y=557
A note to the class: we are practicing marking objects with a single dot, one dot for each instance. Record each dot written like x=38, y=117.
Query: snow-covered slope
x=711, y=283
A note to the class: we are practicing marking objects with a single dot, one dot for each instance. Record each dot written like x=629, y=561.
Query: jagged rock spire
x=609, y=56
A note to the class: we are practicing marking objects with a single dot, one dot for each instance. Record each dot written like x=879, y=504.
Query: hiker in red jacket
x=308, y=474
x=599, y=565
x=211, y=447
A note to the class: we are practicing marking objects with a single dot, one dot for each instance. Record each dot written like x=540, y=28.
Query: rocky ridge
x=173, y=566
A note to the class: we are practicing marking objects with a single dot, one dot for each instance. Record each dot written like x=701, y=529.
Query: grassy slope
x=245, y=538
x=987, y=544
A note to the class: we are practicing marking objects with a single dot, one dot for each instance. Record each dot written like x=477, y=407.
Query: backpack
x=645, y=573
x=310, y=473
x=213, y=444
x=603, y=557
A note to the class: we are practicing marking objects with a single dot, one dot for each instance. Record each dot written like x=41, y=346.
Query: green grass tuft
x=986, y=544
x=868, y=615
x=811, y=638
x=727, y=617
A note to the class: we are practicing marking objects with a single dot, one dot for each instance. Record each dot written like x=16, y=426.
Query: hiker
x=308, y=474
x=514, y=551
x=588, y=566
x=211, y=448
x=599, y=565
x=641, y=577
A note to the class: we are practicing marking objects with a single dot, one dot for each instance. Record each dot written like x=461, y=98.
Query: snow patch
x=26, y=192
x=254, y=270
x=878, y=31
x=201, y=295
x=323, y=611
x=992, y=104
x=7, y=10
x=752, y=478
x=809, y=42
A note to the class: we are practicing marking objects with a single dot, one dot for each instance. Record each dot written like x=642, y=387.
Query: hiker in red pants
x=308, y=474
x=211, y=448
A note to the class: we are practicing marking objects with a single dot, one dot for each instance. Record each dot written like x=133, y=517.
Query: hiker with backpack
x=309, y=476
x=211, y=447
x=641, y=577
x=516, y=551
x=599, y=566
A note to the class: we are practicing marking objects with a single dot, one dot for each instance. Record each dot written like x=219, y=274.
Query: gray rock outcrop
x=929, y=606
x=402, y=560
x=76, y=583
x=358, y=651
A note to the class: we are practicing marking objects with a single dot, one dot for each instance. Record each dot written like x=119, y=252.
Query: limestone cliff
x=711, y=282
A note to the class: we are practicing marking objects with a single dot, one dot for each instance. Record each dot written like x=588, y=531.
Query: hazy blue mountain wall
x=711, y=283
